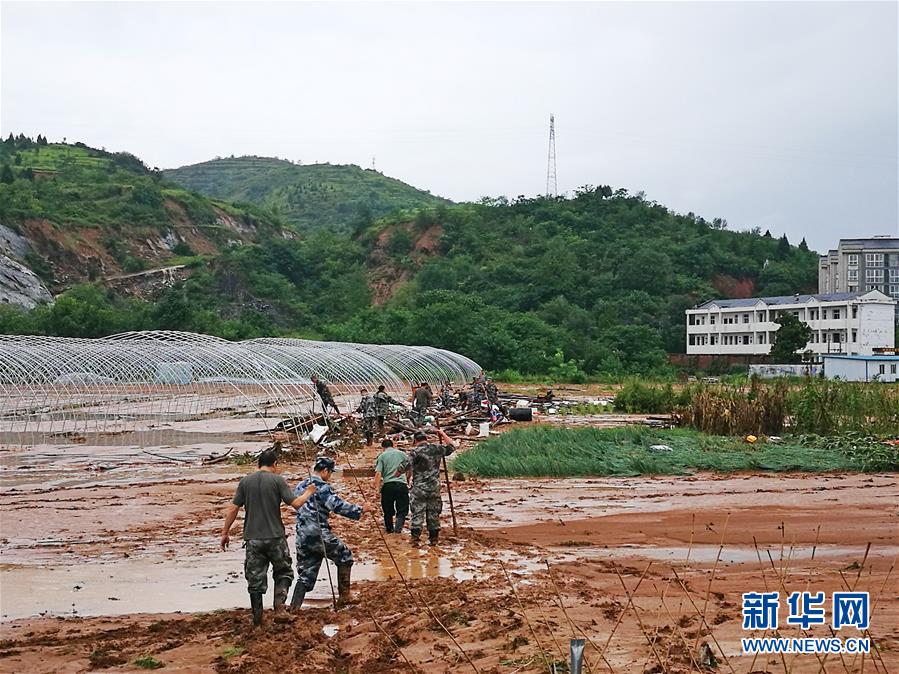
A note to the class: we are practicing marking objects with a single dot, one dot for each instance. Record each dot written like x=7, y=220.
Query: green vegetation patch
x=543, y=451
x=149, y=662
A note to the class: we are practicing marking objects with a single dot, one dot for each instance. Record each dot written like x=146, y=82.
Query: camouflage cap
x=324, y=463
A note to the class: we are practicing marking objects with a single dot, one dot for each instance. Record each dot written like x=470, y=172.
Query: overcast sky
x=776, y=115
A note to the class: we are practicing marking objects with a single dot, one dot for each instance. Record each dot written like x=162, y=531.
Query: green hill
x=596, y=283
x=315, y=196
x=89, y=214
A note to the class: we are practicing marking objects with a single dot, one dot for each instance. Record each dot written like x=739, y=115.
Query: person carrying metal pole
x=424, y=459
x=261, y=494
x=315, y=540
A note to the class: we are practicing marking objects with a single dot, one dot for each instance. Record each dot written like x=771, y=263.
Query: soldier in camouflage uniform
x=315, y=540
x=368, y=406
x=383, y=402
x=446, y=395
x=261, y=494
x=325, y=394
x=424, y=459
x=421, y=401
x=492, y=392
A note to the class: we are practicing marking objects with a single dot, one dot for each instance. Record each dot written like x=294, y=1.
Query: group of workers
x=402, y=478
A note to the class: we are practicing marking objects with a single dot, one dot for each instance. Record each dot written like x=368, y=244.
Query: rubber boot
x=256, y=605
x=281, y=590
x=388, y=524
x=344, y=598
x=433, y=536
x=416, y=536
x=369, y=438
x=299, y=594
x=398, y=527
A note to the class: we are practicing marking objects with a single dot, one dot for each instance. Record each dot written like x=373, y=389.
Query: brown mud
x=109, y=560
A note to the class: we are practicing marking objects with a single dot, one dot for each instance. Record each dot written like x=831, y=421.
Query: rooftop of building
x=861, y=357
x=870, y=242
x=792, y=299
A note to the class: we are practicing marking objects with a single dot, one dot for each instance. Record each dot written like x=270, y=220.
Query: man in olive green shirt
x=261, y=495
x=393, y=485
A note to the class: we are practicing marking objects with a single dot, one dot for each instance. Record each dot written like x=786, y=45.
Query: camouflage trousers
x=312, y=545
x=260, y=553
x=426, y=507
x=368, y=424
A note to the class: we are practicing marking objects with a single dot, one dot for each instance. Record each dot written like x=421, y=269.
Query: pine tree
x=783, y=248
x=803, y=245
x=6, y=174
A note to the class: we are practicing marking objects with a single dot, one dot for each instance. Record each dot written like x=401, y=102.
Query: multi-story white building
x=860, y=265
x=841, y=323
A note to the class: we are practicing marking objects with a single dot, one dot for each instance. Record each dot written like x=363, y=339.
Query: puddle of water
x=192, y=584
x=731, y=554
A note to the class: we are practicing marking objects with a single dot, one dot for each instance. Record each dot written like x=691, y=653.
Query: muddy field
x=110, y=558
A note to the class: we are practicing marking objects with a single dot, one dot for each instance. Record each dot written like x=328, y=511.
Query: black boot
x=299, y=594
x=344, y=598
x=416, y=536
x=369, y=438
x=388, y=524
x=256, y=605
x=433, y=536
x=398, y=527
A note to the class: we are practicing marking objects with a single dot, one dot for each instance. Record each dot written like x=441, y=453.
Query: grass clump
x=233, y=651
x=149, y=662
x=544, y=451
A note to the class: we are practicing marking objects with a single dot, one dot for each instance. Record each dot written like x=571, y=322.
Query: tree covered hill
x=595, y=283
x=335, y=197
x=89, y=214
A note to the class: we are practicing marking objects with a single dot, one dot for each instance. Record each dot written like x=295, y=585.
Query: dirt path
x=137, y=548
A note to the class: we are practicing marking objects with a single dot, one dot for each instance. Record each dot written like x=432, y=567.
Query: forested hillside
x=596, y=283
x=88, y=214
x=313, y=196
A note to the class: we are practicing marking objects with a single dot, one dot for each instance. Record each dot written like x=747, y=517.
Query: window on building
x=882, y=368
x=745, y=318
x=894, y=292
x=835, y=338
x=870, y=288
x=714, y=340
x=852, y=288
x=855, y=335
x=852, y=275
x=761, y=338
x=874, y=275
x=745, y=339
x=823, y=314
x=711, y=319
x=893, y=368
x=894, y=275
x=836, y=314
x=854, y=311
x=853, y=259
x=873, y=259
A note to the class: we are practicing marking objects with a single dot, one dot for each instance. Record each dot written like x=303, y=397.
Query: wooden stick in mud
x=449, y=490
